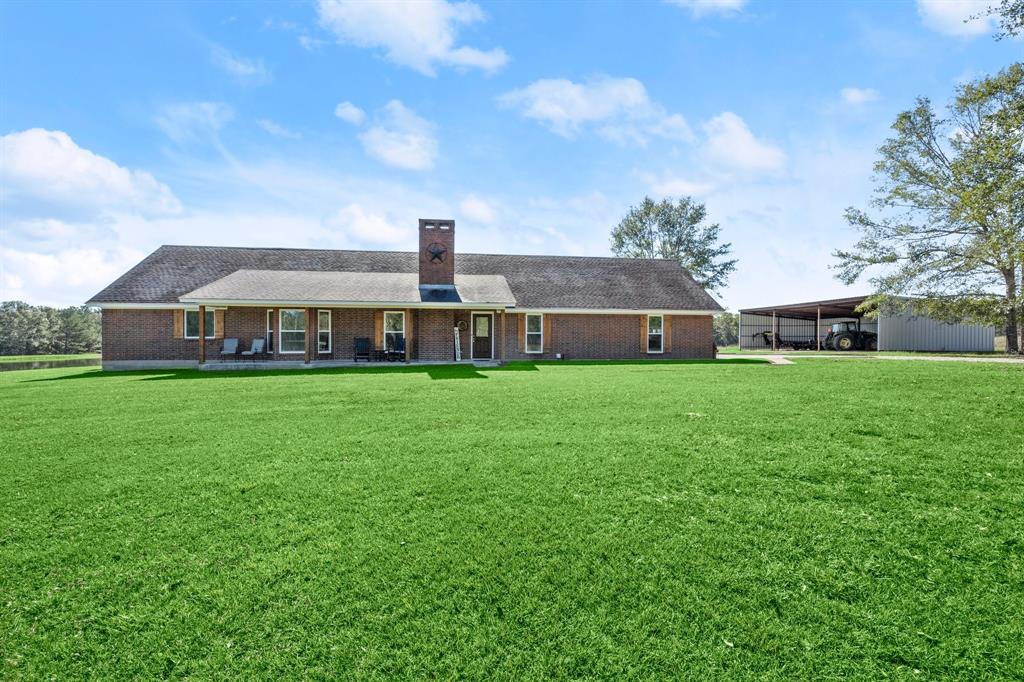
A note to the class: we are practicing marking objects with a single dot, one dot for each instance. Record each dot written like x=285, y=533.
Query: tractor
x=848, y=336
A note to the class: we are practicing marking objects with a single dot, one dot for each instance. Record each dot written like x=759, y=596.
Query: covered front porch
x=304, y=318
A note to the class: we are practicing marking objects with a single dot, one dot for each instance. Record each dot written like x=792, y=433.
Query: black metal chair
x=361, y=349
x=396, y=351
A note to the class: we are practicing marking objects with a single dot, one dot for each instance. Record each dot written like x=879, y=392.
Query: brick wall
x=610, y=337
x=149, y=335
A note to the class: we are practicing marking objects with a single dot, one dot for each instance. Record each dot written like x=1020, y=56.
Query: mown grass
x=821, y=520
x=46, y=358
x=735, y=350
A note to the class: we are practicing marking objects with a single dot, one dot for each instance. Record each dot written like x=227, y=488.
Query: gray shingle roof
x=334, y=287
x=535, y=281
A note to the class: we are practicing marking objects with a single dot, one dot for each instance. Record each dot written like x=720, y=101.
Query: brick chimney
x=437, y=252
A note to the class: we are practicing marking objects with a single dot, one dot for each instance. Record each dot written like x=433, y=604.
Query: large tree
x=1011, y=17
x=947, y=226
x=676, y=231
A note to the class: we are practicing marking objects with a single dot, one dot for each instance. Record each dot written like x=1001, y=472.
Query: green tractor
x=848, y=336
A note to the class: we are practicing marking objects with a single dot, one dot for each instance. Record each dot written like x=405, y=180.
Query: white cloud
x=420, y=35
x=250, y=71
x=701, y=8
x=477, y=210
x=277, y=130
x=678, y=187
x=953, y=17
x=618, y=109
x=309, y=43
x=400, y=138
x=66, y=277
x=190, y=120
x=347, y=111
x=731, y=145
x=44, y=170
x=858, y=95
x=366, y=227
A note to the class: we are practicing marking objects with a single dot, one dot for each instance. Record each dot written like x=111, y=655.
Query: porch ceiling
x=296, y=287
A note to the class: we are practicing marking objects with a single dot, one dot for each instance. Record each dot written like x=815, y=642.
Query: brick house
x=310, y=306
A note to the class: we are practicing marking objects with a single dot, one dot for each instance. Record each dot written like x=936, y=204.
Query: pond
x=48, y=364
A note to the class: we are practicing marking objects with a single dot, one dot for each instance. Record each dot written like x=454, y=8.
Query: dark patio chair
x=256, y=349
x=230, y=348
x=396, y=351
x=361, y=350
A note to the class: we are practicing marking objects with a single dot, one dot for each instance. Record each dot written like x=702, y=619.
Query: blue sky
x=535, y=126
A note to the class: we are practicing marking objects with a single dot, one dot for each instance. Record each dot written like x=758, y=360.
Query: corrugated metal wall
x=895, y=332
x=909, y=332
x=751, y=327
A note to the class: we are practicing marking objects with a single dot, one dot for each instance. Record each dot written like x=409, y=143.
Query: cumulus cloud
x=250, y=71
x=47, y=170
x=400, y=138
x=731, y=145
x=186, y=121
x=858, y=95
x=277, y=130
x=63, y=277
x=349, y=112
x=618, y=109
x=701, y=8
x=420, y=35
x=364, y=226
x=953, y=17
x=677, y=187
x=477, y=209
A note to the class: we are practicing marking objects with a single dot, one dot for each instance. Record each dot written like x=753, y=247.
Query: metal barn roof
x=834, y=307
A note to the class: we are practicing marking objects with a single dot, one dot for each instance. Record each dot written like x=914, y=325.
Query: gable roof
x=580, y=282
x=336, y=288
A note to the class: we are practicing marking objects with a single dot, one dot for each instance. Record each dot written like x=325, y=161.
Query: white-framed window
x=655, y=333
x=269, y=339
x=192, y=324
x=534, y=333
x=323, y=331
x=292, y=324
x=394, y=329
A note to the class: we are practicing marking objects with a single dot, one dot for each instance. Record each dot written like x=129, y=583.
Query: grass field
x=816, y=521
x=47, y=358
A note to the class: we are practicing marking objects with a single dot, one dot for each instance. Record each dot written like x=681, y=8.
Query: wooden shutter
x=547, y=333
x=643, y=333
x=522, y=332
x=218, y=324
x=179, y=323
x=378, y=329
x=408, y=334
x=666, y=331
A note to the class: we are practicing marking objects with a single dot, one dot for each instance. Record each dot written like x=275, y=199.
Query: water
x=48, y=364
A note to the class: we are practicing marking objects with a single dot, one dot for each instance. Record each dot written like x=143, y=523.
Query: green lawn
x=816, y=521
x=735, y=350
x=43, y=358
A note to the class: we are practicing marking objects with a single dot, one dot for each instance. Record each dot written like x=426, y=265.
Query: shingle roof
x=535, y=281
x=334, y=288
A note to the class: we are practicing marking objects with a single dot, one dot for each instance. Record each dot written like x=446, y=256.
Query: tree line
x=38, y=330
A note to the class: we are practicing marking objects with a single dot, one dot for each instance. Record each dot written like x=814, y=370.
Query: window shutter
x=378, y=329
x=547, y=333
x=409, y=333
x=218, y=324
x=179, y=323
x=643, y=333
x=666, y=330
x=522, y=332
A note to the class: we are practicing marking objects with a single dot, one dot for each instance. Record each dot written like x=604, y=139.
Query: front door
x=483, y=338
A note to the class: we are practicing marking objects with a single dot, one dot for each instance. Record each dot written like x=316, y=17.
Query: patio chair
x=230, y=348
x=256, y=349
x=397, y=351
x=361, y=350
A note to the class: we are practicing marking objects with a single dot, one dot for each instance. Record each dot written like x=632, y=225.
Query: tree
x=949, y=228
x=1011, y=17
x=675, y=231
x=727, y=329
x=32, y=330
